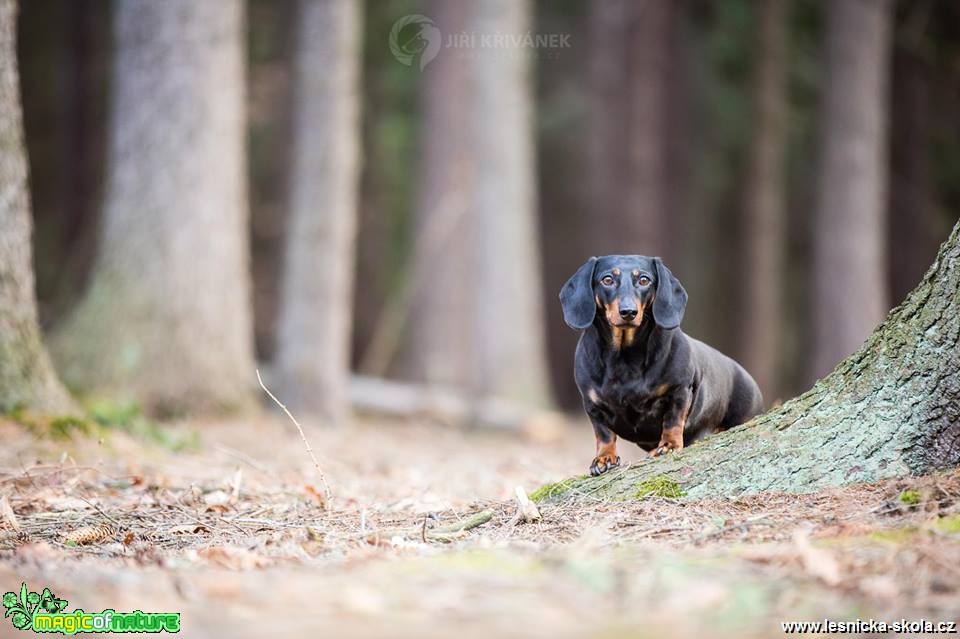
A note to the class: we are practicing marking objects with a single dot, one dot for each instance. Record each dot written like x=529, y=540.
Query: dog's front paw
x=671, y=439
x=603, y=463
x=664, y=448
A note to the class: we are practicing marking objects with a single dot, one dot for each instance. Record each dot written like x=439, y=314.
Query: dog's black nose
x=628, y=313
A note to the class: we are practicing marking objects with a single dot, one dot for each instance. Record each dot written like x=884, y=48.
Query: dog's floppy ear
x=671, y=299
x=576, y=297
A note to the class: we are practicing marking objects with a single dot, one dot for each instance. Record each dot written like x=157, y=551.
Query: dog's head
x=622, y=288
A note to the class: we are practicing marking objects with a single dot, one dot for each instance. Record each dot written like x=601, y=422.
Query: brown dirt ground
x=236, y=537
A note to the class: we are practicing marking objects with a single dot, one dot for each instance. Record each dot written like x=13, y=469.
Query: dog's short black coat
x=640, y=377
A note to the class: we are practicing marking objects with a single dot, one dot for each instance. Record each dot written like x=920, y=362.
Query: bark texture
x=849, y=288
x=914, y=224
x=313, y=356
x=507, y=287
x=607, y=172
x=632, y=45
x=477, y=315
x=27, y=378
x=440, y=320
x=889, y=410
x=764, y=208
x=167, y=314
x=642, y=226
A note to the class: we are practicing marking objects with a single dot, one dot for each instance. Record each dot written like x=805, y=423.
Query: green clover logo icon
x=20, y=620
x=24, y=607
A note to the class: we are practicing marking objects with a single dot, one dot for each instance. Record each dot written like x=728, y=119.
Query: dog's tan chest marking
x=616, y=337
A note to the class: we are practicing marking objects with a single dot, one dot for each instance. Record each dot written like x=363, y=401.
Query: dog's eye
x=644, y=280
x=606, y=280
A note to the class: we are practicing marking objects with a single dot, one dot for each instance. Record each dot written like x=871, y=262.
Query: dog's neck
x=634, y=341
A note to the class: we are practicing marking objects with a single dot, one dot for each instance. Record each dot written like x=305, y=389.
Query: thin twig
x=443, y=533
x=316, y=464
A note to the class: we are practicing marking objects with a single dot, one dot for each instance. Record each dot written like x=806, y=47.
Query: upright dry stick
x=316, y=464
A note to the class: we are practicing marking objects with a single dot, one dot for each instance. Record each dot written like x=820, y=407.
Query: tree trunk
x=167, y=314
x=914, y=224
x=764, y=208
x=507, y=288
x=477, y=318
x=27, y=379
x=679, y=135
x=270, y=134
x=849, y=284
x=83, y=114
x=607, y=173
x=889, y=410
x=313, y=358
x=441, y=325
x=628, y=174
x=642, y=225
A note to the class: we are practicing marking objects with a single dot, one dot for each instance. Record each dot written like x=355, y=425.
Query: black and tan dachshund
x=639, y=376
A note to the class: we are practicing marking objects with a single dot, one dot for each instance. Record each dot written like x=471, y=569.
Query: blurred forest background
x=215, y=183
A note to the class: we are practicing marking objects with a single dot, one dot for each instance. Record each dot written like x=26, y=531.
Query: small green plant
x=57, y=427
x=658, y=487
x=14, y=411
x=110, y=414
x=22, y=416
x=128, y=417
x=22, y=608
x=64, y=427
x=910, y=497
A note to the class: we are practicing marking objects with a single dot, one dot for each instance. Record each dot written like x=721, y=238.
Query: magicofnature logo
x=44, y=612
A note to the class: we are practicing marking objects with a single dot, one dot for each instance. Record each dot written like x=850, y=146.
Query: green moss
x=554, y=490
x=22, y=416
x=129, y=418
x=52, y=427
x=114, y=414
x=65, y=427
x=659, y=486
x=910, y=497
x=103, y=417
x=949, y=525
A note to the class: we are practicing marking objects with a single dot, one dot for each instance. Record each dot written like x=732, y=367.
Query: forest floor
x=232, y=530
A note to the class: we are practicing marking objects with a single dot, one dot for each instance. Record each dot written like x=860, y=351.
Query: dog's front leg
x=607, y=456
x=674, y=422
